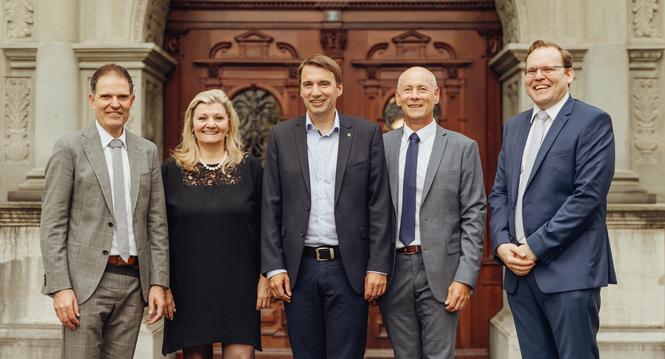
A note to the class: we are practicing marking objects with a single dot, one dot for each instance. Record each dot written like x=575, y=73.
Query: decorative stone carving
x=20, y=18
x=152, y=112
x=508, y=16
x=645, y=113
x=17, y=116
x=156, y=21
x=644, y=14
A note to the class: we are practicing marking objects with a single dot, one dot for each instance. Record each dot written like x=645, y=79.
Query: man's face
x=417, y=94
x=546, y=90
x=111, y=102
x=319, y=90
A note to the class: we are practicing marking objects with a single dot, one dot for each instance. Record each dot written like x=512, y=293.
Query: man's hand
x=375, y=285
x=280, y=287
x=170, y=303
x=67, y=308
x=515, y=258
x=527, y=252
x=156, y=304
x=263, y=295
x=458, y=295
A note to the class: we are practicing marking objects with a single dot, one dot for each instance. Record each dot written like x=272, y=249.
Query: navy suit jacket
x=565, y=201
x=363, y=208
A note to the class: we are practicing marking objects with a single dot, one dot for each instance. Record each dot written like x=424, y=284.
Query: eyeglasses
x=545, y=70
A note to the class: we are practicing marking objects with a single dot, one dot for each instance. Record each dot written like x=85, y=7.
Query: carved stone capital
x=20, y=56
x=645, y=23
x=645, y=56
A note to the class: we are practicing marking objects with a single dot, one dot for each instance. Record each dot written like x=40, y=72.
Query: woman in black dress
x=213, y=199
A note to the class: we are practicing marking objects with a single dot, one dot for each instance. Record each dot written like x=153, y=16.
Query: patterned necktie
x=407, y=228
x=119, y=204
x=530, y=154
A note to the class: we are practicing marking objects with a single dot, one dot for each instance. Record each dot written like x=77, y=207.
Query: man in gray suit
x=436, y=183
x=103, y=227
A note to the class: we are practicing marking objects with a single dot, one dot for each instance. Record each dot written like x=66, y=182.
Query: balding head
x=419, y=72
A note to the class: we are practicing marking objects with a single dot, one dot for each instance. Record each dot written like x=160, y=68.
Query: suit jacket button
x=111, y=224
x=302, y=234
x=307, y=208
x=106, y=253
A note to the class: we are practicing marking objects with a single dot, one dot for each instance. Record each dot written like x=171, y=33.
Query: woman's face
x=210, y=123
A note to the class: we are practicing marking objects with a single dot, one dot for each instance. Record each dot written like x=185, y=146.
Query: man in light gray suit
x=103, y=227
x=436, y=183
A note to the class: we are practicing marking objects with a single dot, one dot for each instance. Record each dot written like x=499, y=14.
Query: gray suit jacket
x=77, y=214
x=452, y=212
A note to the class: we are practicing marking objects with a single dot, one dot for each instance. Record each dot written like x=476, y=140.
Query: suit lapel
x=92, y=146
x=439, y=146
x=516, y=162
x=134, y=154
x=343, y=150
x=300, y=136
x=392, y=157
x=551, y=136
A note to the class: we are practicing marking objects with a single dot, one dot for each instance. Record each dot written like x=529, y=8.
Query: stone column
x=56, y=88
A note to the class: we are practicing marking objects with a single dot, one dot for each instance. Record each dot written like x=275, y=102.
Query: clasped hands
x=519, y=259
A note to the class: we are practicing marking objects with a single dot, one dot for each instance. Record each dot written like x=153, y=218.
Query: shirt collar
x=553, y=111
x=310, y=126
x=424, y=133
x=106, y=137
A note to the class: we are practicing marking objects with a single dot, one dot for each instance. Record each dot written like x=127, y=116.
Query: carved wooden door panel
x=251, y=49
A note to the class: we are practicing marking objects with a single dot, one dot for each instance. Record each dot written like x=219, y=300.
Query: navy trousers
x=555, y=325
x=326, y=318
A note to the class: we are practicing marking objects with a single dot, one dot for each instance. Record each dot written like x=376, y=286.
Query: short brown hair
x=323, y=62
x=107, y=69
x=566, y=57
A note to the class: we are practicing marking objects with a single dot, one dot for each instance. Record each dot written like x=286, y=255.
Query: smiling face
x=210, y=123
x=546, y=90
x=417, y=94
x=111, y=102
x=319, y=91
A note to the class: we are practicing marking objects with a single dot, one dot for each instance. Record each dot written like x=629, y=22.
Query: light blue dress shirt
x=322, y=159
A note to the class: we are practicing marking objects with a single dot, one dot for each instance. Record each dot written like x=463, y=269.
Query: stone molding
x=17, y=119
x=20, y=214
x=146, y=56
x=507, y=11
x=19, y=19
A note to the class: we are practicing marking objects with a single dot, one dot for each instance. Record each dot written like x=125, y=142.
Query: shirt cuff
x=275, y=272
x=371, y=271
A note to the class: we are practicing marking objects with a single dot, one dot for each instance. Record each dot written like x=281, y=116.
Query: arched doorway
x=251, y=49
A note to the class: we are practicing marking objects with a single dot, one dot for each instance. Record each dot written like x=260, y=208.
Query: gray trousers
x=417, y=324
x=110, y=321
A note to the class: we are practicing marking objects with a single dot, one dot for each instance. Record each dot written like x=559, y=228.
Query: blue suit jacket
x=565, y=201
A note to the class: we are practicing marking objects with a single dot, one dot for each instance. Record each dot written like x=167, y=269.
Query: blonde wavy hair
x=186, y=154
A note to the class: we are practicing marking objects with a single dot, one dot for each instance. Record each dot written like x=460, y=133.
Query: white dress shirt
x=525, y=173
x=427, y=136
x=106, y=138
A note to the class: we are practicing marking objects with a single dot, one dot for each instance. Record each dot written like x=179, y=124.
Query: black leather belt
x=322, y=254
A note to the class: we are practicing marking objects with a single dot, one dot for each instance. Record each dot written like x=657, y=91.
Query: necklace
x=214, y=167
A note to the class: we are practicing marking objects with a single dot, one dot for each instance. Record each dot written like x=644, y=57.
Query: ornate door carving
x=251, y=49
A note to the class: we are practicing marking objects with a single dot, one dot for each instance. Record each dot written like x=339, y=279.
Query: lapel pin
x=348, y=134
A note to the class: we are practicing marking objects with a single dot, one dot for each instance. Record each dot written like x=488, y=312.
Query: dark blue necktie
x=407, y=228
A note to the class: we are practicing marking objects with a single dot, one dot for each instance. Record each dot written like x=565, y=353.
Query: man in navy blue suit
x=548, y=207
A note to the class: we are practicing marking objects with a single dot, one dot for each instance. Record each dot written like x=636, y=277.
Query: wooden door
x=252, y=49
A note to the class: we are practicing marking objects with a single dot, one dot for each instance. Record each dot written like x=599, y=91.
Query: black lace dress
x=214, y=229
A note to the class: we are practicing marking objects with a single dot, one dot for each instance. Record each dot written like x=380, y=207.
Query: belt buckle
x=319, y=250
